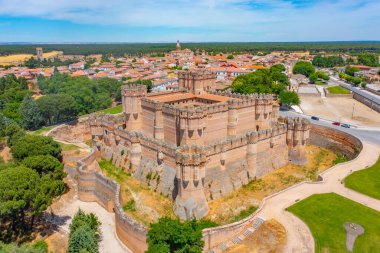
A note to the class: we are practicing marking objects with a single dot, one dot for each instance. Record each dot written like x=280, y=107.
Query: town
x=189, y=126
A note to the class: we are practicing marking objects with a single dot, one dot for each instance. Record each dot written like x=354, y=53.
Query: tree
x=24, y=194
x=57, y=108
x=313, y=77
x=84, y=233
x=368, y=59
x=169, y=235
x=230, y=57
x=328, y=61
x=37, y=247
x=323, y=75
x=289, y=98
x=303, y=68
x=351, y=70
x=30, y=112
x=45, y=165
x=33, y=145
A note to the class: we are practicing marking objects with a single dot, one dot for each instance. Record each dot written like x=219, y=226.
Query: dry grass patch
x=138, y=200
x=269, y=237
x=225, y=209
x=9, y=59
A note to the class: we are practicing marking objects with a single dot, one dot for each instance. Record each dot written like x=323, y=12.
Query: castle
x=195, y=144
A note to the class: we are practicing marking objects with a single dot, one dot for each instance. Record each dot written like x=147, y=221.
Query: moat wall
x=335, y=140
x=94, y=186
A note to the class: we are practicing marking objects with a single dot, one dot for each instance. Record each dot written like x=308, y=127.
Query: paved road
x=369, y=134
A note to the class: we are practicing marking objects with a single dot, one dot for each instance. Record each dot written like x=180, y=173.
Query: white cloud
x=235, y=19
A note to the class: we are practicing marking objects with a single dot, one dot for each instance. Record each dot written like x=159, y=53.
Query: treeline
x=35, y=63
x=156, y=48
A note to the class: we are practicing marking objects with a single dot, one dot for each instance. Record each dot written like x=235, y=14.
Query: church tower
x=178, y=46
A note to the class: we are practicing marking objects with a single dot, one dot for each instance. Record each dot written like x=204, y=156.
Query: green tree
x=230, y=57
x=368, y=59
x=303, y=68
x=351, y=70
x=169, y=235
x=30, y=112
x=56, y=108
x=313, y=77
x=289, y=98
x=45, y=165
x=33, y=145
x=38, y=247
x=84, y=233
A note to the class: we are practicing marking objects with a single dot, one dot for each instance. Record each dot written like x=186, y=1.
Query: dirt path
x=299, y=238
x=6, y=154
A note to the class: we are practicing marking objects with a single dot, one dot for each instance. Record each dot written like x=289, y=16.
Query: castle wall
x=148, y=117
x=171, y=133
x=216, y=126
x=95, y=187
x=246, y=119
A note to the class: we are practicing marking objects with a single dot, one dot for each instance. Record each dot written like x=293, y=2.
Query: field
x=15, y=58
x=244, y=201
x=365, y=181
x=138, y=201
x=325, y=215
x=338, y=90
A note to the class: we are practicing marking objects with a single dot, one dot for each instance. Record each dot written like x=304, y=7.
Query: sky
x=188, y=20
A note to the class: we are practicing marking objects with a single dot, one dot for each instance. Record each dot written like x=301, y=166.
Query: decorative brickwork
x=202, y=144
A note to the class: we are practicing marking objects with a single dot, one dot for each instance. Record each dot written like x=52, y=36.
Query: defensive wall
x=368, y=102
x=94, y=186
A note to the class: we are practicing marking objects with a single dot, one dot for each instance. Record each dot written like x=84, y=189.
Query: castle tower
x=252, y=154
x=196, y=82
x=192, y=124
x=39, y=53
x=178, y=46
x=190, y=201
x=296, y=138
x=263, y=111
x=131, y=100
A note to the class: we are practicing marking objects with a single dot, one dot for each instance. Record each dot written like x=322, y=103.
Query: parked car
x=345, y=125
x=336, y=123
x=314, y=118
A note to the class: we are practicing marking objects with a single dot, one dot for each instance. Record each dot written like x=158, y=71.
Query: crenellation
x=187, y=136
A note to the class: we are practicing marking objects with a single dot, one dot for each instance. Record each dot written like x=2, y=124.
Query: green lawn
x=365, y=181
x=325, y=214
x=338, y=90
x=41, y=131
x=113, y=110
x=319, y=82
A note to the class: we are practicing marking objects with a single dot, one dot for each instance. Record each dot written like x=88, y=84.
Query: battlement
x=132, y=90
x=197, y=75
x=297, y=124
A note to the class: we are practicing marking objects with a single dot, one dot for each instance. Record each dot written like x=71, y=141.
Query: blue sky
x=188, y=20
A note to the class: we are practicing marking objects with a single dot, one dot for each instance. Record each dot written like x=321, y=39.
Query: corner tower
x=131, y=100
x=296, y=138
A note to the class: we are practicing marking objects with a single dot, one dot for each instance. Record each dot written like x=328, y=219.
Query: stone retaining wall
x=338, y=141
x=94, y=186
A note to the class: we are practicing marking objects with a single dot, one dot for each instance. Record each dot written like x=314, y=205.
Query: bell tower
x=178, y=47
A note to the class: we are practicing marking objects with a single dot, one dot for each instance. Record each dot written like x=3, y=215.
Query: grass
x=113, y=110
x=319, y=82
x=340, y=159
x=325, y=215
x=366, y=181
x=338, y=90
x=9, y=59
x=41, y=131
x=138, y=200
x=243, y=214
x=68, y=147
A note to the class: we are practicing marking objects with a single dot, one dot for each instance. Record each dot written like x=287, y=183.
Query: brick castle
x=194, y=144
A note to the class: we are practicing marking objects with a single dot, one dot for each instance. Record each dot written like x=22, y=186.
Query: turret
x=192, y=124
x=296, y=138
x=131, y=100
x=196, y=82
x=190, y=201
